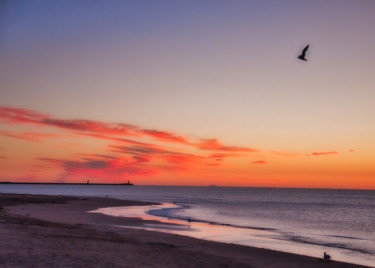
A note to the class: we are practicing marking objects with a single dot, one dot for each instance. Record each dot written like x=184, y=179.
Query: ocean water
x=302, y=221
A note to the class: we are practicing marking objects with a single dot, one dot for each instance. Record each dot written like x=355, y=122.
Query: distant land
x=66, y=183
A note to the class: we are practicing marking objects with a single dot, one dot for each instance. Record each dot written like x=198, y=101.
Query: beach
x=57, y=231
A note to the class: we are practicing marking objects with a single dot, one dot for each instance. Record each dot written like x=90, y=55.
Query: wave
x=168, y=213
x=172, y=213
x=305, y=240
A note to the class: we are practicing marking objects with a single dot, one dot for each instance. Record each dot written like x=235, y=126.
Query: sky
x=188, y=93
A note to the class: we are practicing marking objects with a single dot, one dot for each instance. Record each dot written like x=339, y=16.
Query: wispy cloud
x=101, y=130
x=122, y=140
x=29, y=136
x=259, y=162
x=323, y=153
x=97, y=156
x=183, y=159
x=221, y=156
x=126, y=153
x=104, y=169
x=18, y=115
x=165, y=136
x=287, y=154
x=138, y=149
x=215, y=145
x=167, y=156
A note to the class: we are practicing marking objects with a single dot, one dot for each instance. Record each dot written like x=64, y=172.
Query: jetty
x=66, y=183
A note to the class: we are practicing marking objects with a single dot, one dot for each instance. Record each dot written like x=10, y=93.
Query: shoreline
x=35, y=221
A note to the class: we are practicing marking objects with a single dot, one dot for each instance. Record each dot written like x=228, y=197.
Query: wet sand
x=57, y=231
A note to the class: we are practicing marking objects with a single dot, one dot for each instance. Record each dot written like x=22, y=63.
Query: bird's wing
x=305, y=49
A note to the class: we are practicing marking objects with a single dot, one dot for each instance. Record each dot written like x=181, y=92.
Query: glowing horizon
x=188, y=93
x=73, y=150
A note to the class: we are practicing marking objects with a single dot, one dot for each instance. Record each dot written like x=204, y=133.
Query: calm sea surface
x=304, y=221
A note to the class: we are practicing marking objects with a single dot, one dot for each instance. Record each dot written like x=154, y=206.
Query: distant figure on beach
x=303, y=55
x=188, y=219
x=326, y=256
x=88, y=182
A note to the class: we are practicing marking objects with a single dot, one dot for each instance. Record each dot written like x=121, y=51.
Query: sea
x=302, y=221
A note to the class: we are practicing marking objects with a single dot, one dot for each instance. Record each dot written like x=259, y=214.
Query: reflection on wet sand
x=223, y=233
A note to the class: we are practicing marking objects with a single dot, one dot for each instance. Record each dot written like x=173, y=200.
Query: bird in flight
x=302, y=56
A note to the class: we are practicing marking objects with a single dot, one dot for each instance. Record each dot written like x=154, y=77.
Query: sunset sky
x=188, y=92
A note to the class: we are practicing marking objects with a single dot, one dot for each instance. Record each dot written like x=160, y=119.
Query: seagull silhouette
x=302, y=56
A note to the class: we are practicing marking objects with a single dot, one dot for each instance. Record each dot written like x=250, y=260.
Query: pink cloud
x=17, y=115
x=93, y=126
x=100, y=129
x=104, y=137
x=165, y=136
x=29, y=136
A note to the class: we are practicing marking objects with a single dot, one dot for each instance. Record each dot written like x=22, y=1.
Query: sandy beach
x=57, y=231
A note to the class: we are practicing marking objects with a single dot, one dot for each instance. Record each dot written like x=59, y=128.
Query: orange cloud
x=221, y=156
x=288, y=154
x=182, y=159
x=259, y=162
x=139, y=161
x=29, y=136
x=104, y=169
x=171, y=157
x=97, y=156
x=323, y=153
x=215, y=145
x=138, y=149
x=165, y=136
x=51, y=160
